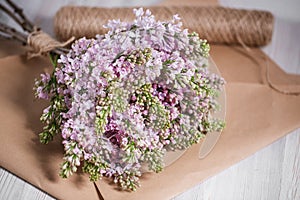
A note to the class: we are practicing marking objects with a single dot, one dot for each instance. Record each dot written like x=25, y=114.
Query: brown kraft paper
x=256, y=116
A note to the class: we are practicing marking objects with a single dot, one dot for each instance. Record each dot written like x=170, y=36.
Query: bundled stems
x=26, y=24
x=12, y=34
x=9, y=33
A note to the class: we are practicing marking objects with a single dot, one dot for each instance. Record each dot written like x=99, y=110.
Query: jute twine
x=42, y=43
x=216, y=24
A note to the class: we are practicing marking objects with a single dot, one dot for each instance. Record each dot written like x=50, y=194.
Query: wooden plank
x=272, y=173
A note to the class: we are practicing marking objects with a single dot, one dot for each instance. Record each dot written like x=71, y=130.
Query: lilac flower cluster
x=121, y=100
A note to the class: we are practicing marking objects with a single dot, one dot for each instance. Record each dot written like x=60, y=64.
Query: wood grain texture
x=270, y=174
x=13, y=188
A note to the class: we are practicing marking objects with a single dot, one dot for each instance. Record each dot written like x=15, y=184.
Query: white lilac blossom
x=123, y=99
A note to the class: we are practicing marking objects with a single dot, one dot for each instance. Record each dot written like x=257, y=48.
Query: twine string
x=267, y=70
x=274, y=86
x=42, y=43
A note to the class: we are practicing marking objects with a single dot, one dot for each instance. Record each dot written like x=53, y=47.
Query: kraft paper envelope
x=256, y=116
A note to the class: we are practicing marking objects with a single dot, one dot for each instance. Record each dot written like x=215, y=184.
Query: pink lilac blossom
x=124, y=98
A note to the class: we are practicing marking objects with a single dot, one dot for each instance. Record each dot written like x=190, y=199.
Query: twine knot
x=41, y=43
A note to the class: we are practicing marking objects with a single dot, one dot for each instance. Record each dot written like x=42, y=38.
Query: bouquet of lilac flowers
x=122, y=100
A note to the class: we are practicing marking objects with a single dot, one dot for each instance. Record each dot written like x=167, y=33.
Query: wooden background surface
x=271, y=173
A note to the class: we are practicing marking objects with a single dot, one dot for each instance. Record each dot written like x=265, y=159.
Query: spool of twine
x=216, y=24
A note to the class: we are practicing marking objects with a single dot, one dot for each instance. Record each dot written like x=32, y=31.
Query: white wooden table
x=271, y=173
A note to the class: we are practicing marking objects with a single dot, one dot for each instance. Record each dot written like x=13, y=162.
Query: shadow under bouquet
x=122, y=100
